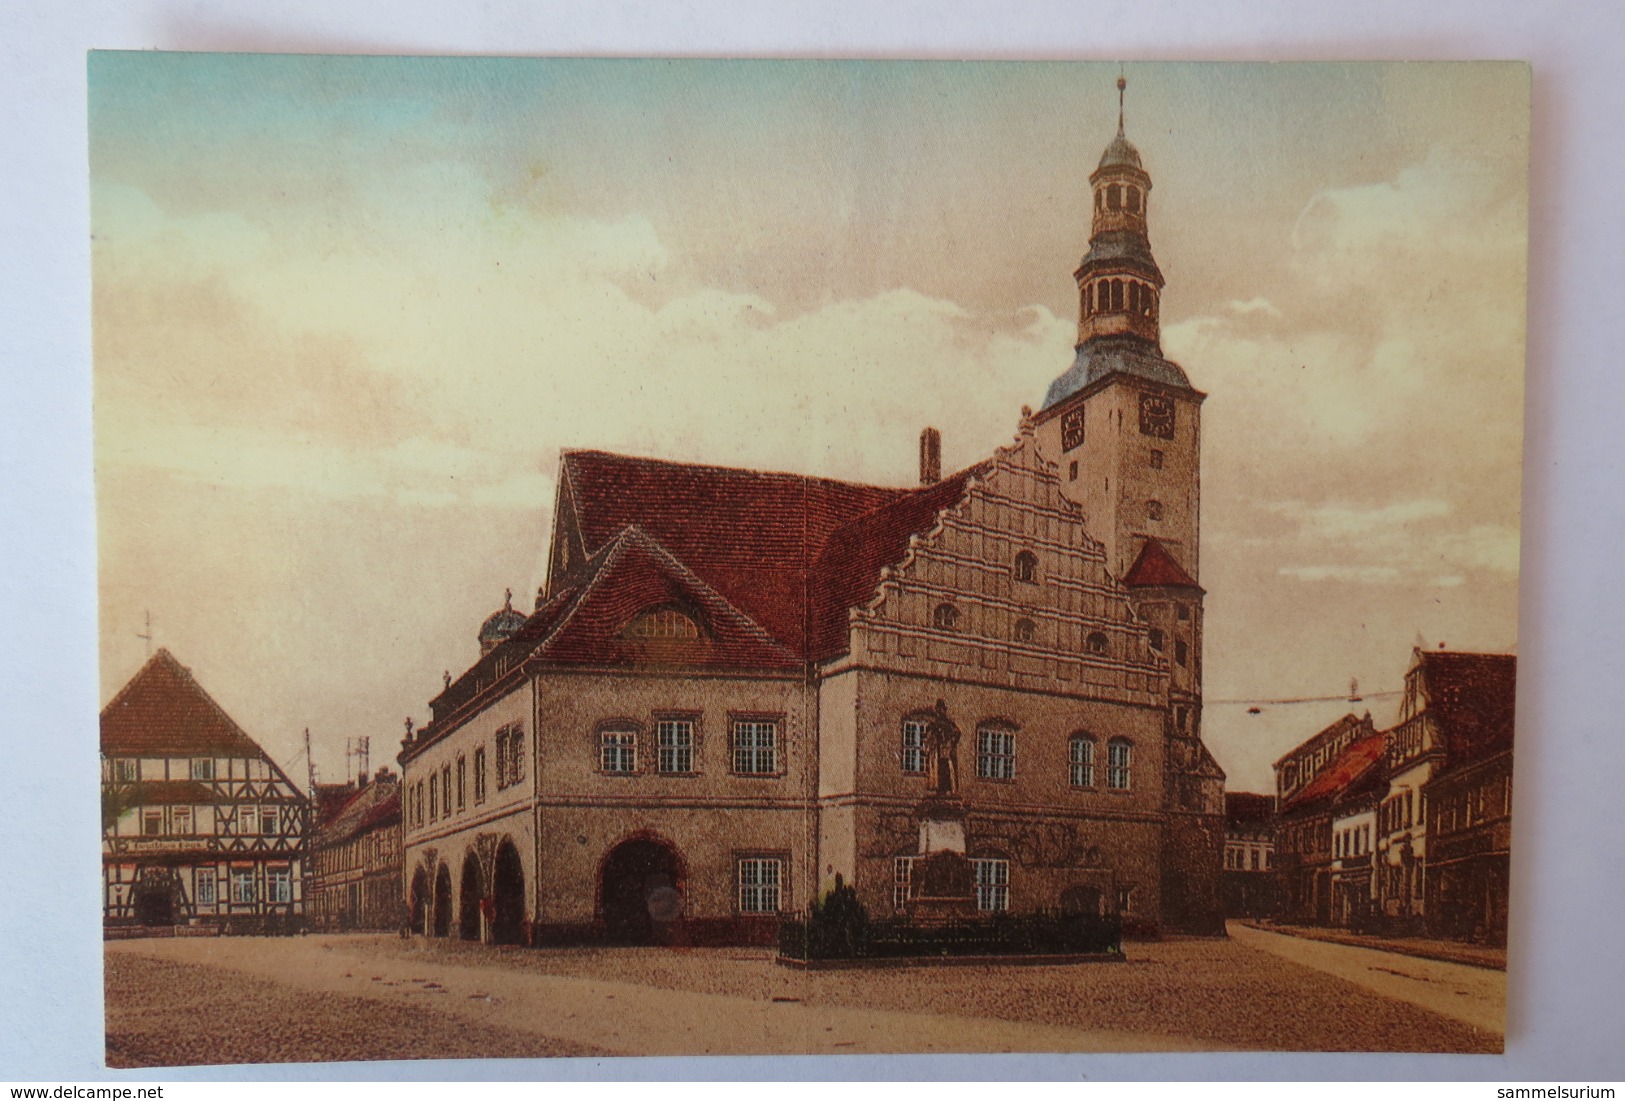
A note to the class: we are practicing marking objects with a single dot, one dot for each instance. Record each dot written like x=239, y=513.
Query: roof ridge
x=570, y=453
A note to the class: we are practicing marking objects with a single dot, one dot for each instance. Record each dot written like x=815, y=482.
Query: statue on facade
x=942, y=752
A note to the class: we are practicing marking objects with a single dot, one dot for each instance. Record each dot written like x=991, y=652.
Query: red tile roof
x=1155, y=566
x=164, y=712
x=848, y=569
x=790, y=551
x=1351, y=774
x=1472, y=698
x=374, y=805
x=634, y=574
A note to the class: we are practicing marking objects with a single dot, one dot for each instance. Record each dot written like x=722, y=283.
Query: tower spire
x=1122, y=83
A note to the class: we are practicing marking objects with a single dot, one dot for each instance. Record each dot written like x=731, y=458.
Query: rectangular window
x=756, y=750
x=992, y=884
x=1182, y=652
x=127, y=770
x=462, y=783
x=1156, y=459
x=417, y=802
x=995, y=755
x=902, y=882
x=434, y=799
x=479, y=775
x=1125, y=900
x=618, y=751
x=676, y=743
x=516, y=756
x=1083, y=763
x=760, y=883
x=204, y=892
x=279, y=885
x=502, y=759
x=445, y=790
x=180, y=820
x=914, y=745
x=268, y=821
x=1119, y=755
x=203, y=768
x=152, y=823
x=242, y=885
x=248, y=821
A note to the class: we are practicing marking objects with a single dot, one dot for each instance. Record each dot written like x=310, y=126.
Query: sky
x=347, y=311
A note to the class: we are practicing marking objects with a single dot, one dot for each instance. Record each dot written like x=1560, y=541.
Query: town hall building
x=736, y=685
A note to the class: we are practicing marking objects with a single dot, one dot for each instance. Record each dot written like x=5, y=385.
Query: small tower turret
x=1119, y=284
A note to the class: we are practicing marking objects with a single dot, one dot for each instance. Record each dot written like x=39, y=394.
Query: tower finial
x=1122, y=83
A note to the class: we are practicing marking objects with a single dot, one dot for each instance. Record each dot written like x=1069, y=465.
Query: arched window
x=1134, y=297
x=1026, y=566
x=1096, y=643
x=1117, y=294
x=1119, y=764
x=1026, y=630
x=946, y=617
x=1100, y=199
x=1114, y=197
x=1134, y=200
x=1153, y=510
x=666, y=622
x=1083, y=761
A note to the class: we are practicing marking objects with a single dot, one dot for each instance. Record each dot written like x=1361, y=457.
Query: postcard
x=651, y=557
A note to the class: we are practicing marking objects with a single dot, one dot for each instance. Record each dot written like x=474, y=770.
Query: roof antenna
x=1122, y=83
x=148, y=635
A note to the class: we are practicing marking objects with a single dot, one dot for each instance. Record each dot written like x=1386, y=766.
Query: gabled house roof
x=1352, y=774
x=163, y=711
x=1155, y=566
x=374, y=805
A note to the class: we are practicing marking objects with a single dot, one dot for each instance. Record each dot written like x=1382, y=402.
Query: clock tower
x=1124, y=423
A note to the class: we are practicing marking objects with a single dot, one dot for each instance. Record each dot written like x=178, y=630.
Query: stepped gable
x=635, y=574
x=1472, y=698
x=1155, y=566
x=164, y=712
x=848, y=570
x=1352, y=773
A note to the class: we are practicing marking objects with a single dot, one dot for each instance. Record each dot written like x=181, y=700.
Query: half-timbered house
x=355, y=858
x=199, y=825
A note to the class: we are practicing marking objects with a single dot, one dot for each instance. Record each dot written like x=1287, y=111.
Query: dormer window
x=1096, y=643
x=1026, y=630
x=663, y=623
x=945, y=617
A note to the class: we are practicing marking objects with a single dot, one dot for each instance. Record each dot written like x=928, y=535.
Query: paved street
x=191, y=1000
x=1473, y=995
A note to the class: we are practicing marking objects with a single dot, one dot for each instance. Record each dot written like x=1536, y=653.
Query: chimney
x=930, y=457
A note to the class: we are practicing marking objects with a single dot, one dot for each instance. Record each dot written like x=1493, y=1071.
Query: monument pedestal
x=943, y=884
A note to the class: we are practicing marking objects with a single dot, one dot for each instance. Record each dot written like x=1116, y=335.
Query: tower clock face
x=1072, y=428
x=1157, y=416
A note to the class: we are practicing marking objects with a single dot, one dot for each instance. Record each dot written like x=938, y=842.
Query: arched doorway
x=468, y=899
x=420, y=902
x=442, y=902
x=507, y=896
x=154, y=896
x=640, y=891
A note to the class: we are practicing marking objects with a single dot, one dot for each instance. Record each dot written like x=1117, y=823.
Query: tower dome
x=501, y=625
x=1120, y=153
